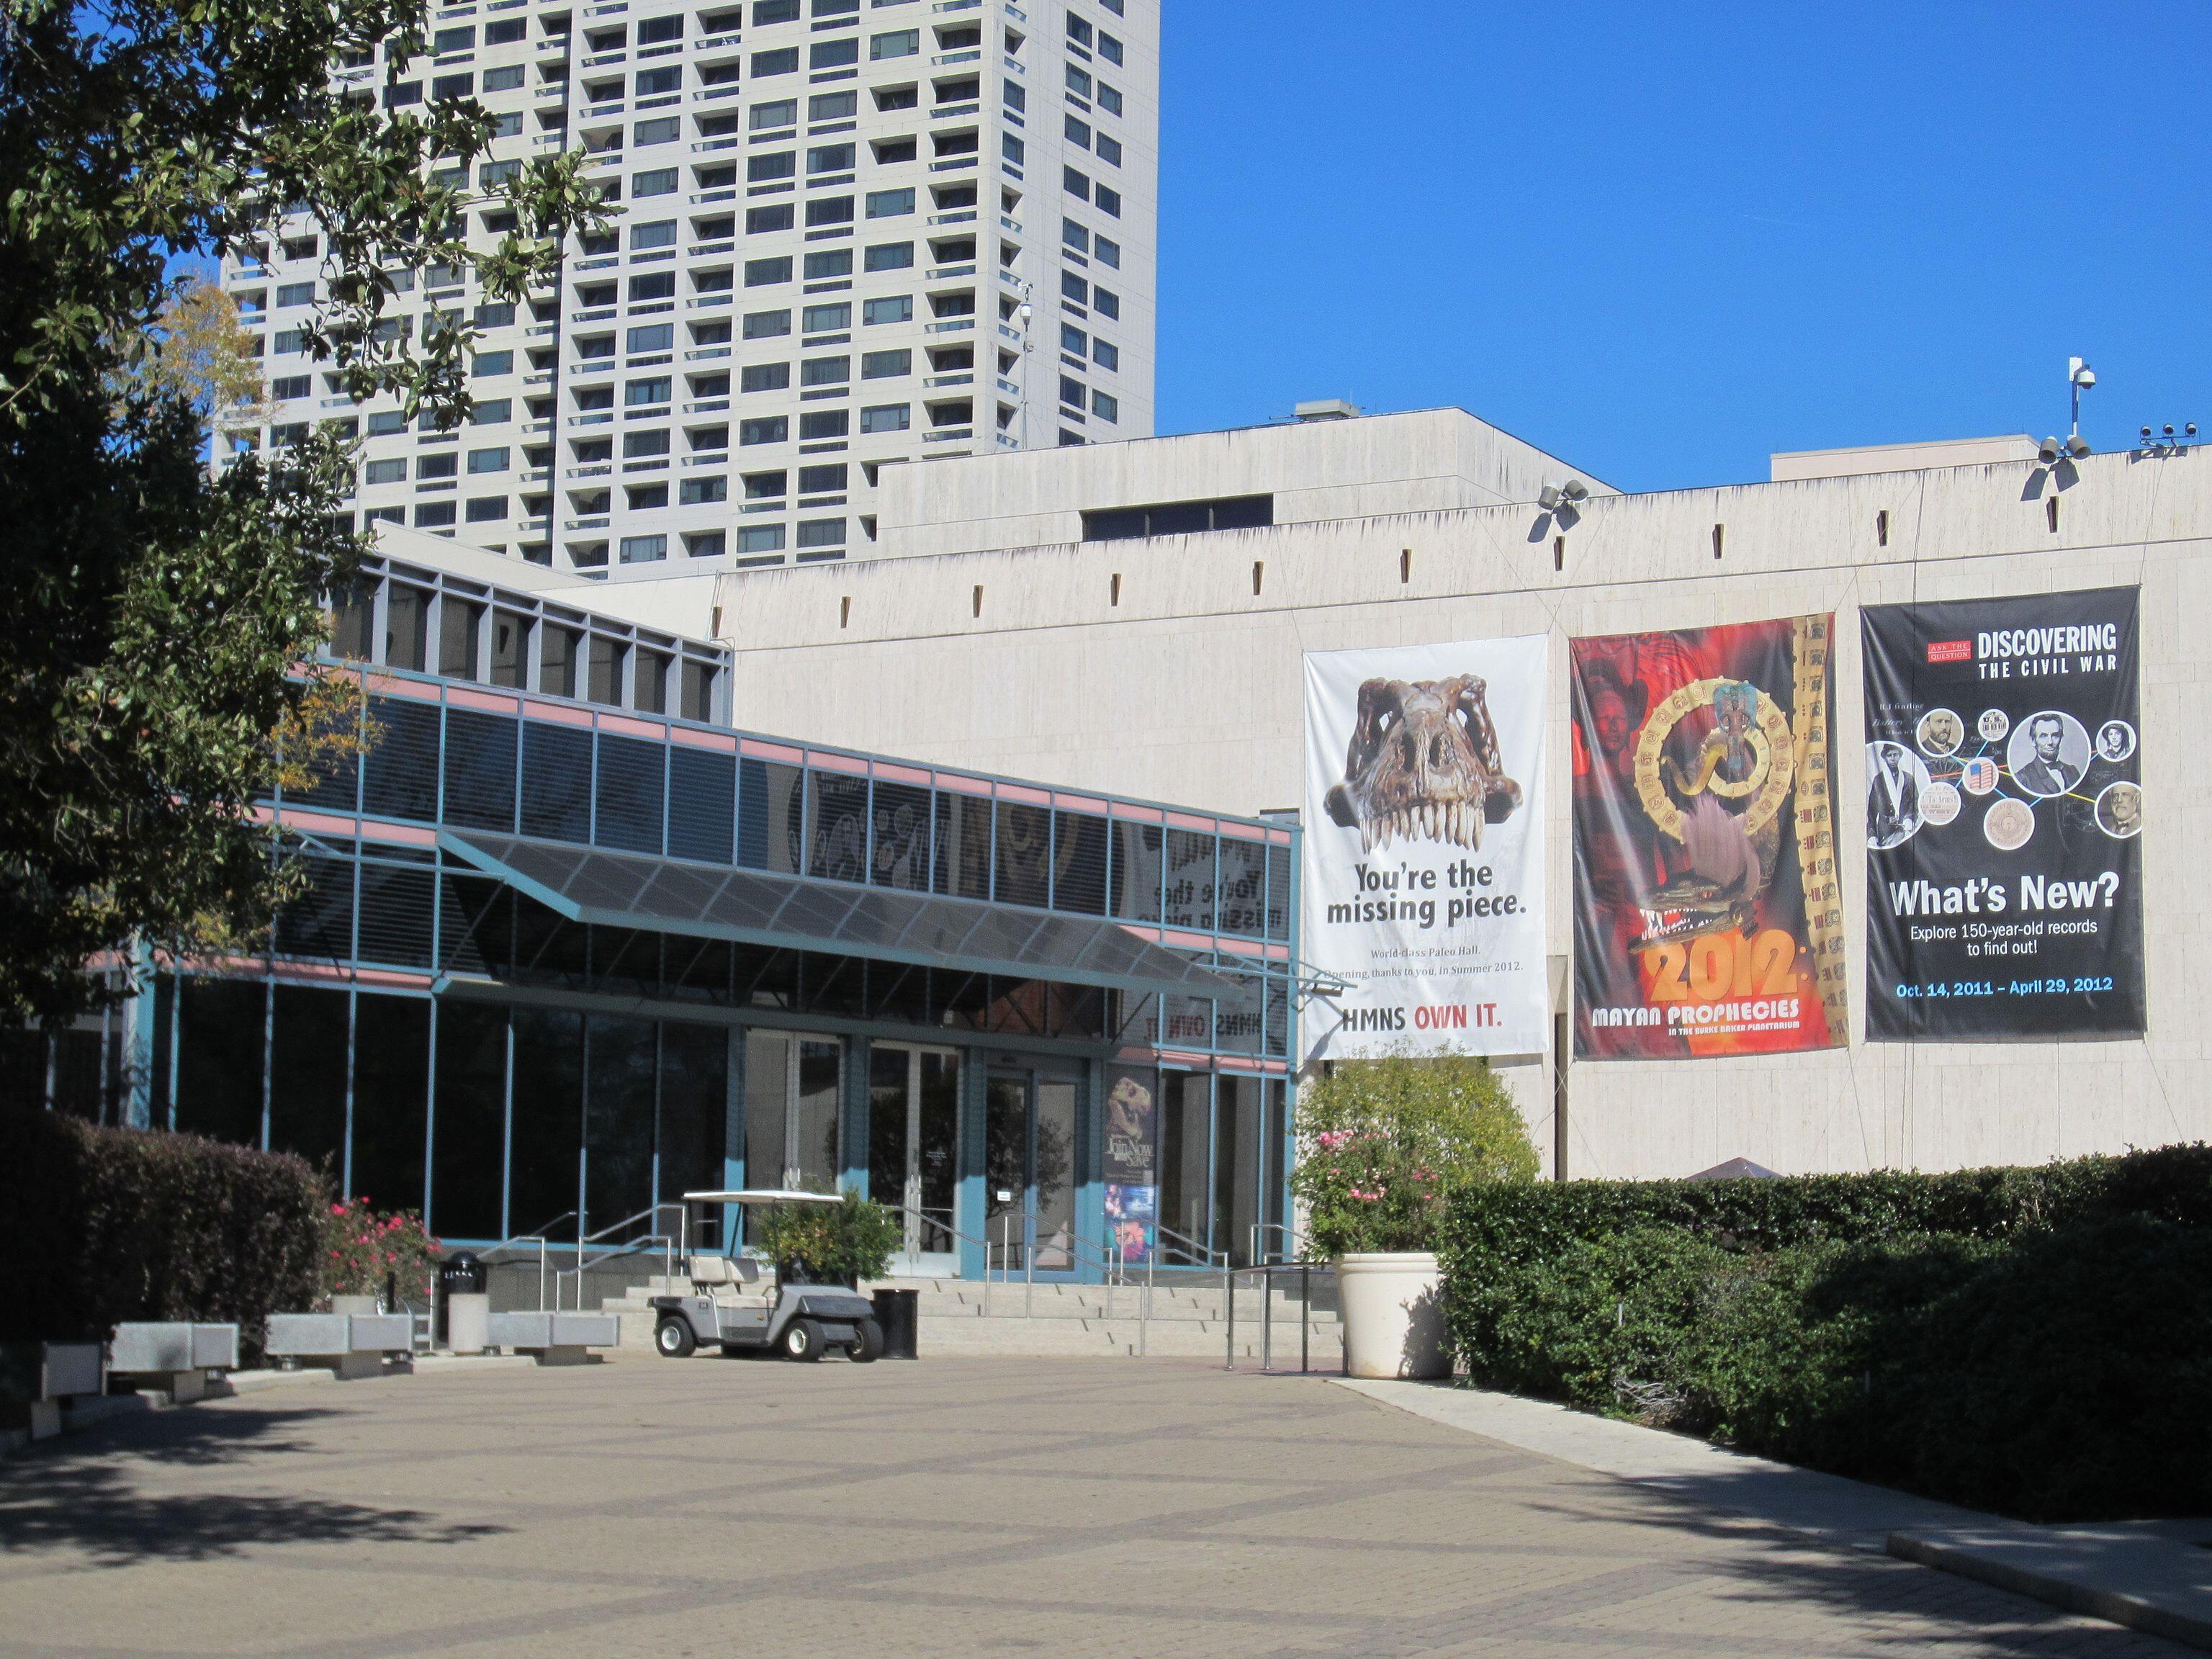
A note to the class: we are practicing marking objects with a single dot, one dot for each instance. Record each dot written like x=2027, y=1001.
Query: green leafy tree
x=154, y=613
x=1382, y=1143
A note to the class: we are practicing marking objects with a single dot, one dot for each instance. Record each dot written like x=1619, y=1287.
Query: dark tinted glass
x=837, y=832
x=390, y=1101
x=1136, y=871
x=1078, y=863
x=1241, y=897
x=395, y=911
x=402, y=769
x=219, y=1049
x=547, y=1121
x=961, y=861
x=468, y=1158
x=557, y=782
x=900, y=857
x=479, y=769
x=702, y=803
x=1190, y=879
x=618, y=1120
x=307, y=1075
x=1025, y=855
x=630, y=782
x=320, y=922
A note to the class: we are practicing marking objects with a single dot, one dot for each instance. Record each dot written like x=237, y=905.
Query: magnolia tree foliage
x=152, y=615
x=1382, y=1143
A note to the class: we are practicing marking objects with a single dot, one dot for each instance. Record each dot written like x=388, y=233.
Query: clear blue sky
x=1662, y=240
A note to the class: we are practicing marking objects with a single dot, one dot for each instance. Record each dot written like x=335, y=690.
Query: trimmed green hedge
x=101, y=1226
x=2036, y=1342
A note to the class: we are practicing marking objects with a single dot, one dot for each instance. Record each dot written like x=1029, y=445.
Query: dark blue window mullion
x=667, y=789
x=430, y=1122
x=591, y=795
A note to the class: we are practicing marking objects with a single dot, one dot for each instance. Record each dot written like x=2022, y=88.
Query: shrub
x=1382, y=1143
x=104, y=1225
x=830, y=1243
x=2048, y=1353
x=365, y=1254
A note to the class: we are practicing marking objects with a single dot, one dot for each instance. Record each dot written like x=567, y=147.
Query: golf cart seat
x=724, y=1278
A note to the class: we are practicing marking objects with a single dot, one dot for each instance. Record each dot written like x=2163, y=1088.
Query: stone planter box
x=352, y=1345
x=36, y=1377
x=555, y=1339
x=175, y=1354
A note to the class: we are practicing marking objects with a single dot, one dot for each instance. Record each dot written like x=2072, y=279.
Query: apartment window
x=767, y=118
x=385, y=473
x=900, y=43
x=1072, y=338
x=761, y=273
x=885, y=417
x=1079, y=132
x=1018, y=97
x=761, y=538
x=766, y=324
x=447, y=41
x=823, y=423
x=1075, y=183
x=705, y=544
x=889, y=203
x=763, y=220
x=1108, y=100
x=890, y=98
x=1110, y=150
x=636, y=444
x=1012, y=147
x=884, y=366
x=487, y=460
x=505, y=32
x=645, y=498
x=830, y=210
x=1105, y=407
x=384, y=420
x=487, y=509
x=296, y=293
x=1109, y=47
x=434, y=515
x=654, y=30
x=889, y=150
x=1074, y=287
x=492, y=412
x=653, y=337
x=638, y=394
x=764, y=377
x=891, y=256
x=665, y=131
x=1180, y=517
x=643, y=550
x=1105, y=356
x=1108, y=202
x=709, y=438
x=1079, y=31
x=890, y=308
x=782, y=164
x=494, y=363
x=831, y=158
x=696, y=491
x=506, y=79
x=782, y=60
x=825, y=371
x=1106, y=302
x=828, y=319
x=826, y=263
x=660, y=181
x=764, y=429
x=403, y=93
x=654, y=285
x=1075, y=235
x=452, y=86
x=653, y=81
x=764, y=486
x=292, y=386
x=437, y=466
x=1078, y=82
x=822, y=480
x=821, y=533
x=661, y=233
x=287, y=341
x=833, y=106
x=594, y=346
x=499, y=314
x=833, y=54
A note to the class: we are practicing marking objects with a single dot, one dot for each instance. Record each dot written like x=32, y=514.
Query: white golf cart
x=735, y=1305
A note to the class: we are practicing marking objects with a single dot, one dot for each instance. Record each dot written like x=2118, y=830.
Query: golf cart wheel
x=673, y=1340
x=802, y=1340
x=867, y=1343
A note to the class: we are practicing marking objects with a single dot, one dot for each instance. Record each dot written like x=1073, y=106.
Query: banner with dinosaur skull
x=1708, y=919
x=1422, y=879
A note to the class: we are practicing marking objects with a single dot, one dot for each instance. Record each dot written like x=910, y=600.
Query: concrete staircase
x=1187, y=1319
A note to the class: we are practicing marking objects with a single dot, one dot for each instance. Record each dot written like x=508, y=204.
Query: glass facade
x=444, y=1039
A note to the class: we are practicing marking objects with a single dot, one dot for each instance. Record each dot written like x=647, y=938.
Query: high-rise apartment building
x=856, y=234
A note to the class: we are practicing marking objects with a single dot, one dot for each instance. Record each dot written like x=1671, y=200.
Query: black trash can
x=460, y=1271
x=899, y=1313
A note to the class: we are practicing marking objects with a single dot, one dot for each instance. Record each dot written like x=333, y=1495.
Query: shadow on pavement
x=89, y=1500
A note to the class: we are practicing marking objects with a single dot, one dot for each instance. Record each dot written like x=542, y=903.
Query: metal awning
x=753, y=907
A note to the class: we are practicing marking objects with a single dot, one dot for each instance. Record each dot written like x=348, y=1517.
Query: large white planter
x=356, y=1304
x=1393, y=1315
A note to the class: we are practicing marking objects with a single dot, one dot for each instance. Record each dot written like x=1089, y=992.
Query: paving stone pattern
x=1069, y=1508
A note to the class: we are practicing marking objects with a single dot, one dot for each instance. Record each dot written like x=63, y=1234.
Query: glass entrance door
x=913, y=1141
x=1030, y=1172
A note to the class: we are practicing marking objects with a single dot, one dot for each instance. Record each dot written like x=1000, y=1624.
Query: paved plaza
x=976, y=1506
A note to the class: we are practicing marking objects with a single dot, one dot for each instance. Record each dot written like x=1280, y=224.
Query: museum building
x=565, y=954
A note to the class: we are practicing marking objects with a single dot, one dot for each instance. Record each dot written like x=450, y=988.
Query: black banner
x=2004, y=817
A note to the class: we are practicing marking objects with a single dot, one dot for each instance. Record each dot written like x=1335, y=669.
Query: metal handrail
x=1201, y=1256
x=669, y=1245
x=538, y=1238
x=1291, y=1238
x=1266, y=1271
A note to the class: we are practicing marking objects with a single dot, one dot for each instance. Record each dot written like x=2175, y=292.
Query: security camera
x=2085, y=377
x=1549, y=498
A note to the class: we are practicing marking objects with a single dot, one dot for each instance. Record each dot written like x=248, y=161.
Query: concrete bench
x=174, y=1355
x=36, y=1377
x=352, y=1345
x=555, y=1339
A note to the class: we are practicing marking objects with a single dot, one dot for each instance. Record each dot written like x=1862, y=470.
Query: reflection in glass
x=1185, y=1115
x=468, y=1152
x=768, y=1099
x=814, y=1138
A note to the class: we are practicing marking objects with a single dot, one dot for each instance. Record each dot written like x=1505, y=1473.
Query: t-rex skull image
x=1424, y=762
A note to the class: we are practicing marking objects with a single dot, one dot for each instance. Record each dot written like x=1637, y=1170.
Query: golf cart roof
x=762, y=1195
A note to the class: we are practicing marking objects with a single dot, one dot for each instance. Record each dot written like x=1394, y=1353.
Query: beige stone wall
x=1188, y=691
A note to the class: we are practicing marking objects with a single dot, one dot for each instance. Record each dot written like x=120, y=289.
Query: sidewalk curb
x=1980, y=1559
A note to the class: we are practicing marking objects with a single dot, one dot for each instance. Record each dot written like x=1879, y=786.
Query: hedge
x=2036, y=1342
x=101, y=1226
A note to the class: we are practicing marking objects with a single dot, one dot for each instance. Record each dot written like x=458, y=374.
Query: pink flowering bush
x=364, y=1251
x=1382, y=1142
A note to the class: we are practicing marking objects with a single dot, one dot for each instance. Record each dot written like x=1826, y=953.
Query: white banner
x=1424, y=875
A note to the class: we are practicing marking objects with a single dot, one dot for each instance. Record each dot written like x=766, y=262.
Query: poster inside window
x=2004, y=817
x=1708, y=919
x=1423, y=882
x=1133, y=1192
